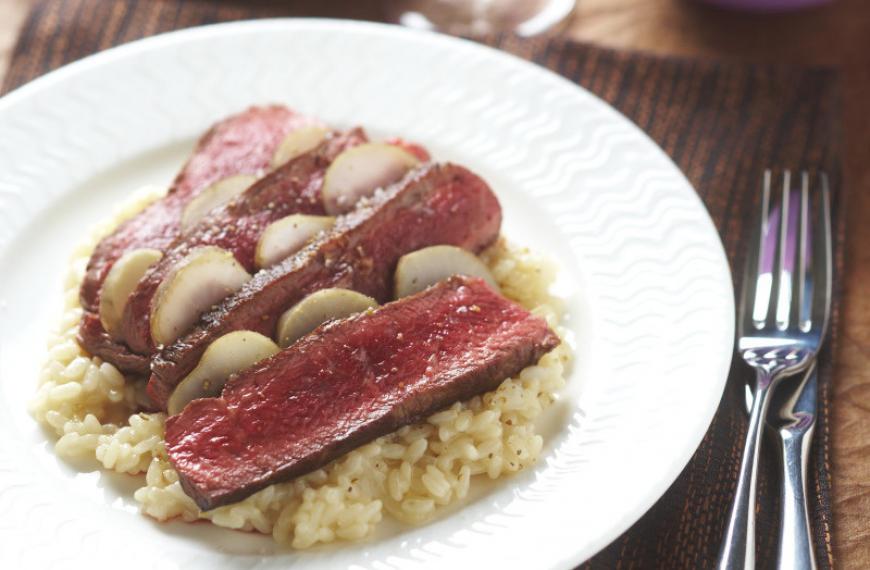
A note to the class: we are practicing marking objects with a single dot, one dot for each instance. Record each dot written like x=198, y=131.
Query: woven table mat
x=722, y=123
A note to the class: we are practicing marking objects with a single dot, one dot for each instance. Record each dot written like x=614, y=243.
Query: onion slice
x=120, y=282
x=215, y=196
x=359, y=171
x=286, y=236
x=204, y=277
x=424, y=267
x=224, y=357
x=297, y=143
x=316, y=309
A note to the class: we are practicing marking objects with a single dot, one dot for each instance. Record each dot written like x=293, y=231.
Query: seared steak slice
x=433, y=205
x=293, y=188
x=94, y=338
x=348, y=383
x=241, y=144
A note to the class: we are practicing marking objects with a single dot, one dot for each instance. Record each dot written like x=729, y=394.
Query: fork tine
x=821, y=266
x=782, y=282
x=802, y=280
x=756, y=287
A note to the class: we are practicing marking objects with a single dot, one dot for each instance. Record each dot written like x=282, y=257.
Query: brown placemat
x=722, y=123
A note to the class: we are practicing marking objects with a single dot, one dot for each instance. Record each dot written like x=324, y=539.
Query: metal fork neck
x=738, y=547
x=773, y=364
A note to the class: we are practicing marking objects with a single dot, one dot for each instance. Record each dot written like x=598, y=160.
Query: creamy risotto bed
x=408, y=475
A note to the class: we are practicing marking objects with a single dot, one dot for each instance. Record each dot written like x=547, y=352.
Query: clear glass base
x=471, y=17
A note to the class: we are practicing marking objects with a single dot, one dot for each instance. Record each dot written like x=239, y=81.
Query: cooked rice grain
x=410, y=474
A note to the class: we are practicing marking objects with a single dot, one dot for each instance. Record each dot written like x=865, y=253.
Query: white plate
x=648, y=288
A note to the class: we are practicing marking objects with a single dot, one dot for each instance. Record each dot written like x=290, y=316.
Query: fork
x=792, y=420
x=782, y=317
x=793, y=417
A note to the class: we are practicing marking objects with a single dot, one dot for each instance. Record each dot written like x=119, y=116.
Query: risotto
x=408, y=475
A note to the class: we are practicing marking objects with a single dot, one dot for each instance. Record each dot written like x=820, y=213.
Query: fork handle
x=795, y=544
x=737, y=551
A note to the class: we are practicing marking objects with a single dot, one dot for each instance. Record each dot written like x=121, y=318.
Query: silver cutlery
x=792, y=421
x=782, y=318
x=793, y=417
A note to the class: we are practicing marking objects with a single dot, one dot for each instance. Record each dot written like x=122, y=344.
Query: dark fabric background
x=722, y=123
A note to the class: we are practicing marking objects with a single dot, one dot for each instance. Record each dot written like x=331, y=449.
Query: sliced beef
x=435, y=204
x=349, y=382
x=293, y=188
x=94, y=338
x=241, y=144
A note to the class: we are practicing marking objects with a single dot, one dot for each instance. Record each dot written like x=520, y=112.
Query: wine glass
x=474, y=17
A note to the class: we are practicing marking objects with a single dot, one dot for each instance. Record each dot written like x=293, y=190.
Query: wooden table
x=838, y=34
